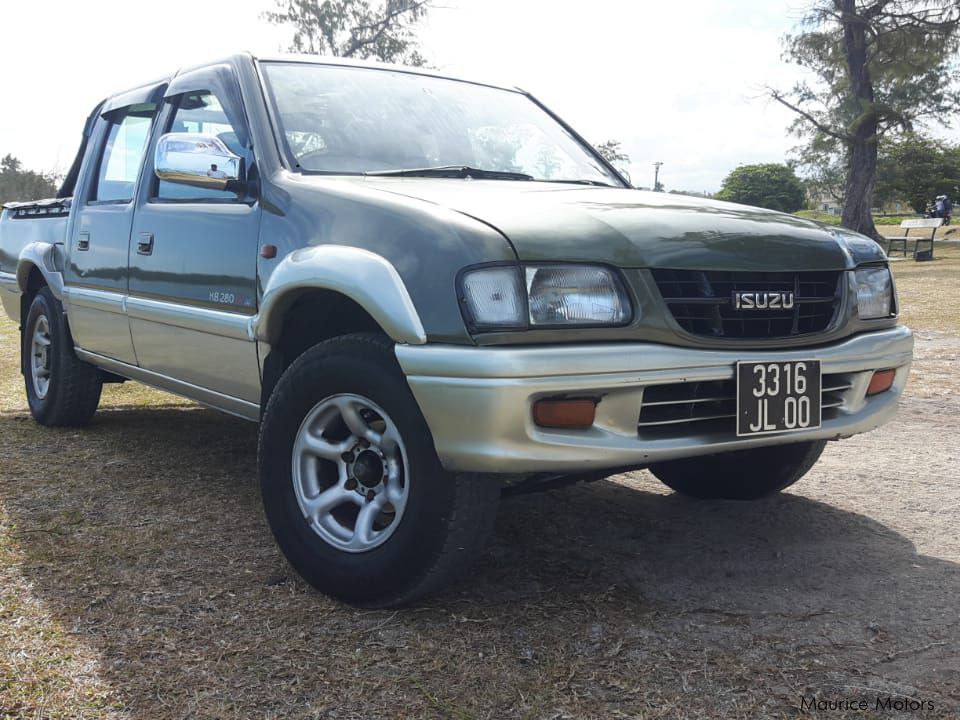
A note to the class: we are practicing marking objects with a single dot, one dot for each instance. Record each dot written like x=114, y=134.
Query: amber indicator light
x=564, y=413
x=881, y=381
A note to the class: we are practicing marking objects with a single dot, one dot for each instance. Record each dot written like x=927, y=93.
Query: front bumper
x=478, y=401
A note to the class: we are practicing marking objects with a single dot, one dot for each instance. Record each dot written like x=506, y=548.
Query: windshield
x=337, y=119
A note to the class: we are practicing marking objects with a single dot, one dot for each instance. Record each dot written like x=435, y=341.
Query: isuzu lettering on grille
x=746, y=300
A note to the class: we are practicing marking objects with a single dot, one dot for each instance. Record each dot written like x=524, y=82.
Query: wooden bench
x=915, y=224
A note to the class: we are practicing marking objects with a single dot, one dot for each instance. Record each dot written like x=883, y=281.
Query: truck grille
x=702, y=302
x=699, y=407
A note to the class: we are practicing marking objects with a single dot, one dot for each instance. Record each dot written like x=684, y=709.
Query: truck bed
x=27, y=222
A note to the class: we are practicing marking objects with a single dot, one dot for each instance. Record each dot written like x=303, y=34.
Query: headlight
x=493, y=297
x=575, y=295
x=499, y=297
x=874, y=292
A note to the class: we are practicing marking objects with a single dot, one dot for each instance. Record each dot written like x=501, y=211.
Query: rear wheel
x=351, y=484
x=61, y=389
x=740, y=475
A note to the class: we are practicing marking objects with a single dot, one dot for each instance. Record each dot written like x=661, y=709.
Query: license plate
x=777, y=397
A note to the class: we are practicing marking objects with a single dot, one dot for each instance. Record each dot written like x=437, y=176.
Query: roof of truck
x=373, y=64
x=116, y=98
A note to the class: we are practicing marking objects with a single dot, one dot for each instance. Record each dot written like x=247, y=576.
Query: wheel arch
x=43, y=258
x=327, y=291
x=368, y=280
x=312, y=316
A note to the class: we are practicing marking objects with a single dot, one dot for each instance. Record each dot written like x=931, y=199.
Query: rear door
x=96, y=271
x=193, y=253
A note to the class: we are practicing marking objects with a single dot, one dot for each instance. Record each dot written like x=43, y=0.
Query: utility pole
x=656, y=175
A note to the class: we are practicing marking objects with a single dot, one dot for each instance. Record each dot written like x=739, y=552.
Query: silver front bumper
x=478, y=401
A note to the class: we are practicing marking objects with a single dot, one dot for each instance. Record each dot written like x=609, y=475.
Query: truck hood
x=635, y=229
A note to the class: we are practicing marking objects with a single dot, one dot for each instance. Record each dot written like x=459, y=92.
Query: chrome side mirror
x=197, y=160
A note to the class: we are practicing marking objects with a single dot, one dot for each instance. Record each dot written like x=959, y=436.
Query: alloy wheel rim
x=40, y=357
x=350, y=473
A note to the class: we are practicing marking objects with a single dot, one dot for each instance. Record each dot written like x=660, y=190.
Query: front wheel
x=351, y=484
x=742, y=474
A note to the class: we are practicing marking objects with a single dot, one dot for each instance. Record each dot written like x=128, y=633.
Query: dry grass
x=930, y=291
x=138, y=580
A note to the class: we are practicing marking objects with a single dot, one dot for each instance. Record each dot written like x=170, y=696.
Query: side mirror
x=626, y=175
x=197, y=160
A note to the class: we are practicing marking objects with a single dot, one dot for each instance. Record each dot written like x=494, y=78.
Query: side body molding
x=48, y=258
x=365, y=277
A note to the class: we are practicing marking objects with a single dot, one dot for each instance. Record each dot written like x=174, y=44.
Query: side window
x=200, y=113
x=123, y=154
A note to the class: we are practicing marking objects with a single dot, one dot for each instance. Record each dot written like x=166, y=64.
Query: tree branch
x=825, y=129
x=379, y=28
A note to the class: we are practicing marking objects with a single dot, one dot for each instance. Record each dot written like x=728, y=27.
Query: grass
x=819, y=216
x=139, y=580
x=930, y=291
x=880, y=221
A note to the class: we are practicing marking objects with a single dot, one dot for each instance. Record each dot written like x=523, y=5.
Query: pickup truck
x=431, y=293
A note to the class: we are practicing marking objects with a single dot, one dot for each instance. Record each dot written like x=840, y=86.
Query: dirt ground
x=138, y=579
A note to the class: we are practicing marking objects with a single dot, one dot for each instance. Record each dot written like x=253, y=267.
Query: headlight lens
x=575, y=295
x=508, y=297
x=494, y=296
x=874, y=292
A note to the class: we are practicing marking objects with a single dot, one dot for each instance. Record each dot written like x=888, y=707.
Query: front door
x=96, y=268
x=193, y=263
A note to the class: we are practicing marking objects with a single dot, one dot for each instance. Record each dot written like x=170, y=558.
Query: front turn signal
x=568, y=414
x=881, y=381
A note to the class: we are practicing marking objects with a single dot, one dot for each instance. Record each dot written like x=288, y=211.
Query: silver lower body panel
x=218, y=401
x=10, y=295
x=478, y=401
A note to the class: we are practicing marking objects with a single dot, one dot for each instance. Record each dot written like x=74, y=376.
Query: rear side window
x=123, y=154
x=200, y=112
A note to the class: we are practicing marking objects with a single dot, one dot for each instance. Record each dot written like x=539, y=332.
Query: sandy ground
x=138, y=580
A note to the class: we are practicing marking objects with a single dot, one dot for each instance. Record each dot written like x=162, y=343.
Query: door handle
x=83, y=241
x=145, y=244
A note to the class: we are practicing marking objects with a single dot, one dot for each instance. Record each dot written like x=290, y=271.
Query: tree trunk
x=861, y=176
x=862, y=145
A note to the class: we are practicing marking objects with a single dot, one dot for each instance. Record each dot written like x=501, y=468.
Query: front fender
x=364, y=277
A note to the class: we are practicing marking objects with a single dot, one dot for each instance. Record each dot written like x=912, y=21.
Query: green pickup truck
x=431, y=293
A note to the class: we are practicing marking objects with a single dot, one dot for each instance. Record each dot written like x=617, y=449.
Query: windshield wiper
x=581, y=182
x=451, y=171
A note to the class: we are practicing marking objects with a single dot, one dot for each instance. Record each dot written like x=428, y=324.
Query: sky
x=675, y=82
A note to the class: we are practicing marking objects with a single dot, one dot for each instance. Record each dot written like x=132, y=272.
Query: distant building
x=825, y=201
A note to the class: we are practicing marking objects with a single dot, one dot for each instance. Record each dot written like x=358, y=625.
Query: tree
x=770, y=185
x=823, y=169
x=354, y=28
x=880, y=66
x=917, y=169
x=17, y=184
x=611, y=152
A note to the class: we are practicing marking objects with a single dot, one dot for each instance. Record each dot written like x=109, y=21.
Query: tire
x=742, y=474
x=431, y=524
x=61, y=389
